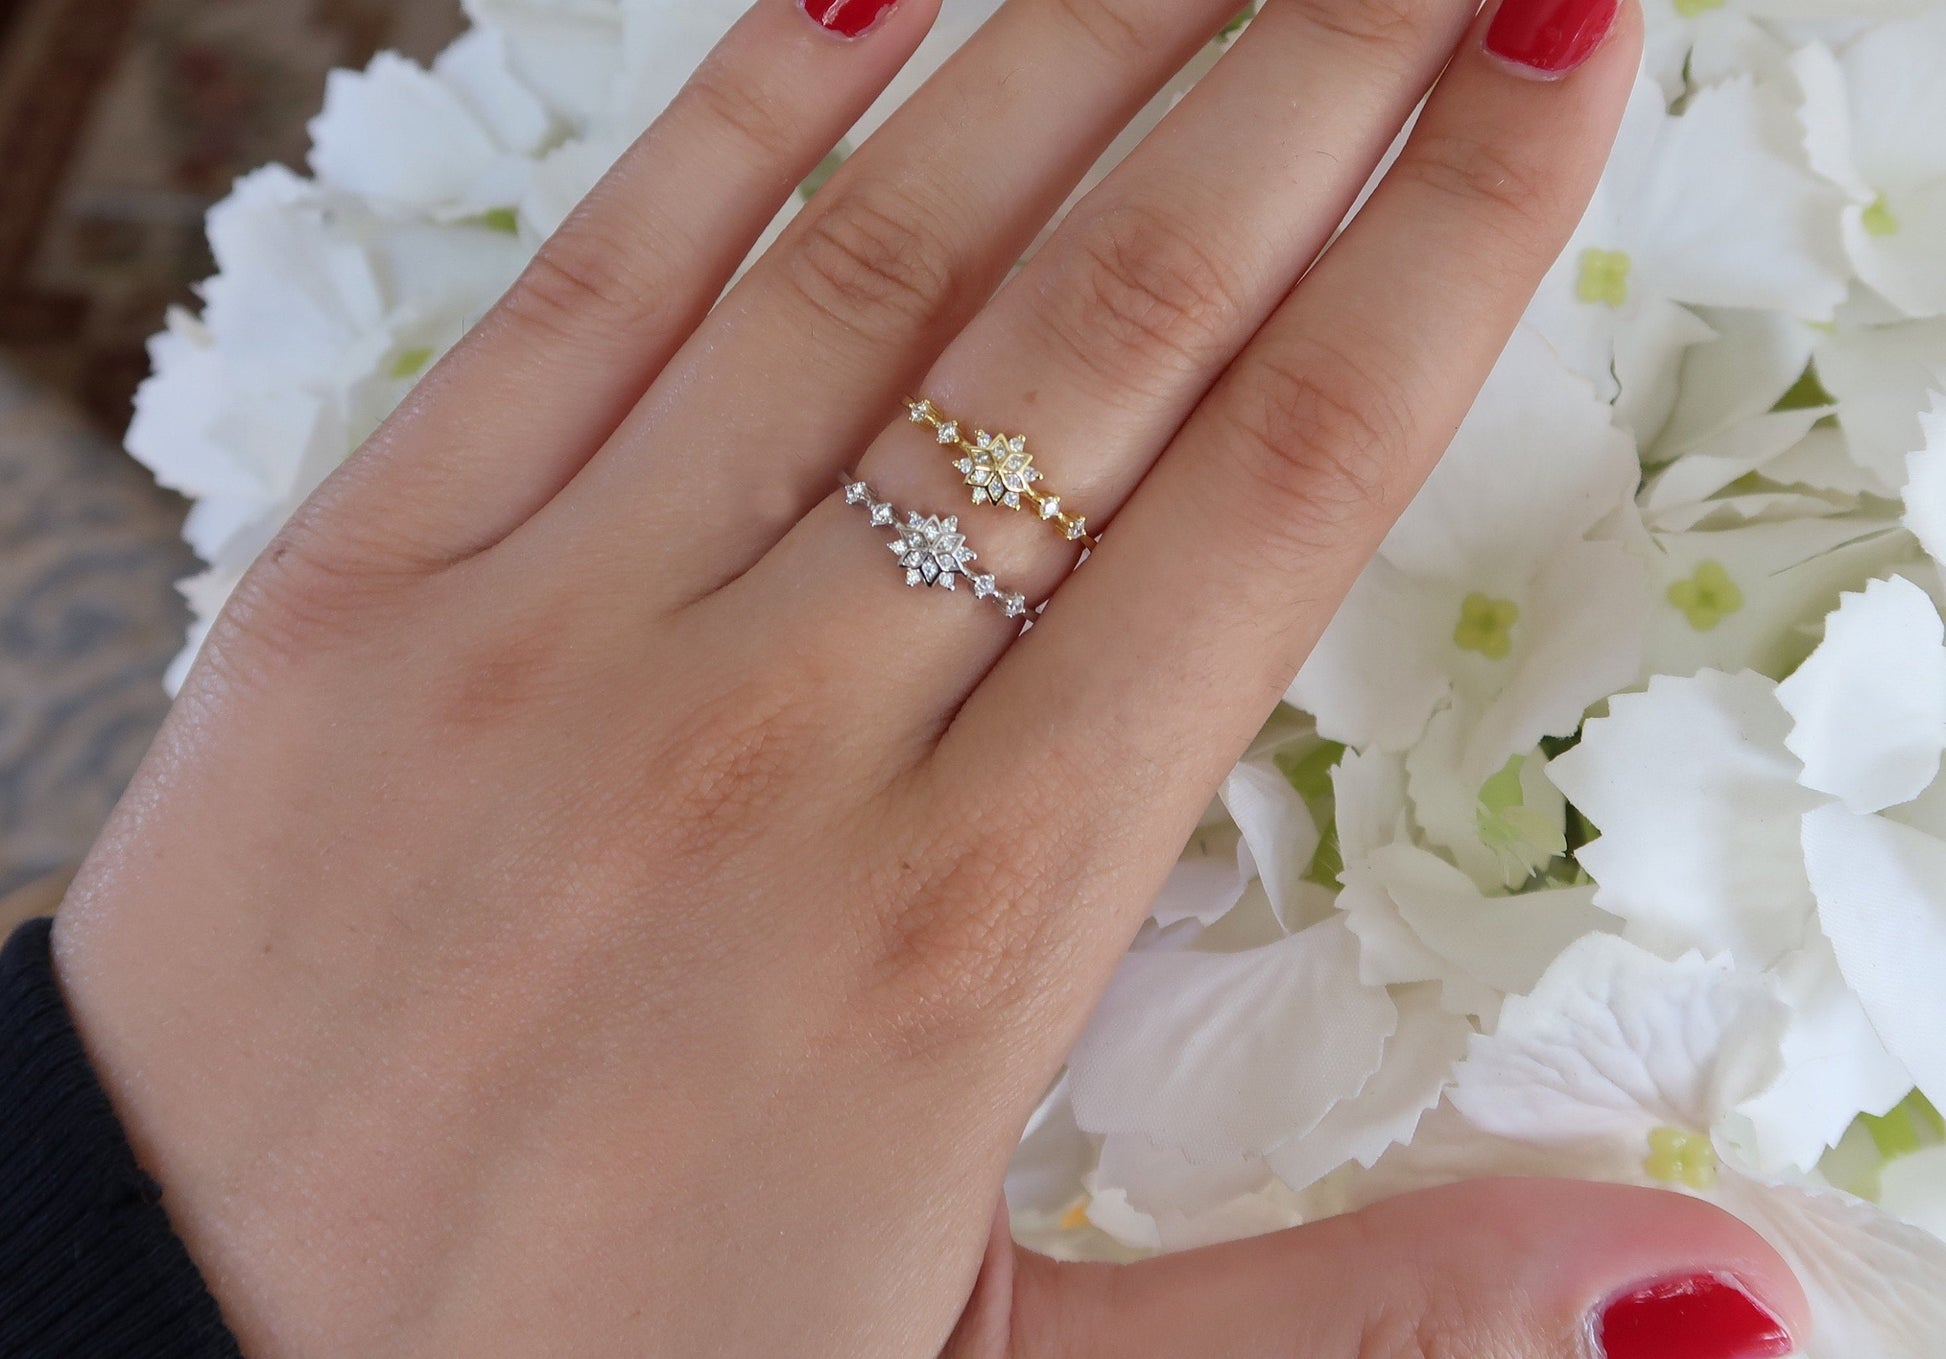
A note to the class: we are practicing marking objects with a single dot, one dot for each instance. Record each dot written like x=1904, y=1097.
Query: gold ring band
x=999, y=469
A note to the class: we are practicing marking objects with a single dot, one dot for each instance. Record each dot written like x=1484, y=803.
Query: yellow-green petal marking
x=1604, y=277
x=1707, y=597
x=1487, y=625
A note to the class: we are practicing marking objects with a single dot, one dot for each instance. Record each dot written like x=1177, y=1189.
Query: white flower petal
x=1417, y=1066
x=1751, y=360
x=1219, y=1054
x=1377, y=705
x=1278, y=831
x=1870, y=703
x=1881, y=894
x=398, y=134
x=1698, y=802
x=1925, y=489
x=1835, y=1067
x=1615, y=1041
x=1882, y=376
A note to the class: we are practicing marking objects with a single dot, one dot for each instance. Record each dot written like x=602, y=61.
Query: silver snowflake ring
x=933, y=551
x=999, y=469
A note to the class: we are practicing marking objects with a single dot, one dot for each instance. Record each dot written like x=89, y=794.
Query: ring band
x=932, y=550
x=999, y=469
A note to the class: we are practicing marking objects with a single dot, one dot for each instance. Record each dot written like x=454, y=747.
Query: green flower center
x=1486, y=625
x=1707, y=597
x=1310, y=774
x=1689, y=9
x=1604, y=277
x=1878, y=219
x=1678, y=1157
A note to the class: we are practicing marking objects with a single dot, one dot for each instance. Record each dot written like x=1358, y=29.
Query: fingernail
x=1549, y=37
x=1702, y=1316
x=846, y=18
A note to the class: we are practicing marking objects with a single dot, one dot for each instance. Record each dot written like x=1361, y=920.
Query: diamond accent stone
x=916, y=411
x=857, y=493
x=984, y=585
x=1011, y=499
x=1050, y=507
x=964, y=464
x=883, y=514
x=1014, y=604
x=1017, y=444
x=947, y=433
x=1075, y=529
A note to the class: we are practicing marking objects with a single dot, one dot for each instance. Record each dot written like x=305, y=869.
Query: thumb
x=1487, y=1269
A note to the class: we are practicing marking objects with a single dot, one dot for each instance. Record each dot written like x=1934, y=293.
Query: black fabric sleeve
x=89, y=1267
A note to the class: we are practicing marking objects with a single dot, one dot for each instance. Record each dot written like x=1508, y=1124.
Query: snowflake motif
x=999, y=469
x=932, y=550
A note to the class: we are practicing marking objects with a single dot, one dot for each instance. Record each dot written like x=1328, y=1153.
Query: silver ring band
x=932, y=550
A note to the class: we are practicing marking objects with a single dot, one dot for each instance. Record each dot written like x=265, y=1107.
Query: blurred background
x=121, y=121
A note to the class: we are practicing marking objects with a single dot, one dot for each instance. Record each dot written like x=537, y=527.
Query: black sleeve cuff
x=89, y=1266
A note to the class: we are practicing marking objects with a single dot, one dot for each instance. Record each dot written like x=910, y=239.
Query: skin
x=582, y=904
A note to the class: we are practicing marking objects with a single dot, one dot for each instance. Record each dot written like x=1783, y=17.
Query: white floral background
x=1605, y=832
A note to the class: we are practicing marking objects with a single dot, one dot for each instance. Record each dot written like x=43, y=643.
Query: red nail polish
x=1704, y=1316
x=847, y=18
x=1549, y=36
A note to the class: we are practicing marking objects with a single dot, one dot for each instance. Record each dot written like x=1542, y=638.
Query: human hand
x=582, y=904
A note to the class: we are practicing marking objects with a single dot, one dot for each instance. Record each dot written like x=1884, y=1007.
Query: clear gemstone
x=983, y=586
x=882, y=514
x=979, y=495
x=1075, y=529
x=948, y=579
x=1050, y=507
x=948, y=433
x=911, y=577
x=1017, y=444
x=1014, y=605
x=916, y=411
x=1012, y=499
x=964, y=465
x=857, y=493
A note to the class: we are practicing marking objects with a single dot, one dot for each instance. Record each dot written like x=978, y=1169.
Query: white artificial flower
x=1706, y=208
x=569, y=52
x=1872, y=114
x=1491, y=594
x=1700, y=805
x=1704, y=42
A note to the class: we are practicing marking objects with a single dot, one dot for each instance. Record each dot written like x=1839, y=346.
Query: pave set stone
x=933, y=551
x=999, y=469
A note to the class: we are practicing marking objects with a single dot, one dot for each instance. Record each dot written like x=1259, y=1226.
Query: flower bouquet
x=1603, y=834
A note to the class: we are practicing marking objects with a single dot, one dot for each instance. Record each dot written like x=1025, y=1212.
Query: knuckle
x=1317, y=439
x=744, y=111
x=1394, y=33
x=1112, y=27
x=585, y=282
x=1143, y=297
x=1475, y=174
x=964, y=933
x=869, y=256
x=740, y=751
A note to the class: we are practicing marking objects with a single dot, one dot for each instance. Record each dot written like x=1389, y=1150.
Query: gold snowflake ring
x=999, y=469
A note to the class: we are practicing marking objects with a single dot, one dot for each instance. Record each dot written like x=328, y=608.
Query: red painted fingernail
x=847, y=18
x=1704, y=1316
x=1549, y=37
